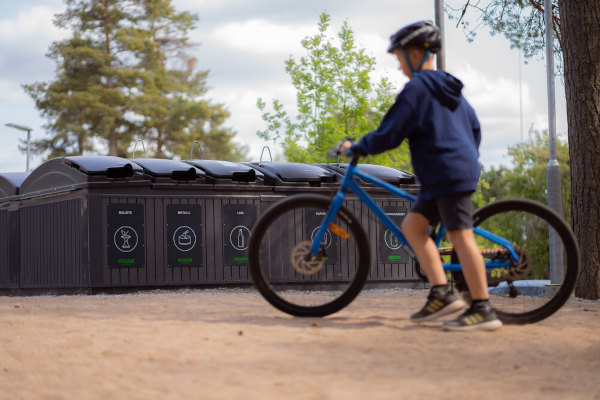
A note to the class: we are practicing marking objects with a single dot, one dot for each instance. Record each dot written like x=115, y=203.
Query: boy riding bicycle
x=444, y=136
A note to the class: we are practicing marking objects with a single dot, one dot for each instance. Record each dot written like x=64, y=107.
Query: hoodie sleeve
x=394, y=128
x=476, y=127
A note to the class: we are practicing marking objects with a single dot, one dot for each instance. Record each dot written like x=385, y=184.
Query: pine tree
x=123, y=75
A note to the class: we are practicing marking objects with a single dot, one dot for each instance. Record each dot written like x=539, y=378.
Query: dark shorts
x=455, y=210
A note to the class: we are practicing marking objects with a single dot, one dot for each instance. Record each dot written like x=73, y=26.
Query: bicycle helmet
x=422, y=34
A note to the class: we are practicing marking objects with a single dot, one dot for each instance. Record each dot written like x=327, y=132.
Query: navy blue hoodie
x=442, y=130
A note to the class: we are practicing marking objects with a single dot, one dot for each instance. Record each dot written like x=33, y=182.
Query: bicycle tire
x=284, y=280
x=524, y=302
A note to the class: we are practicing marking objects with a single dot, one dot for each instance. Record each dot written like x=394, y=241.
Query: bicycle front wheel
x=308, y=288
x=529, y=290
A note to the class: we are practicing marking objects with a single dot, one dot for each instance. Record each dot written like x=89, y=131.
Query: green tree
x=89, y=97
x=123, y=75
x=527, y=178
x=171, y=106
x=335, y=99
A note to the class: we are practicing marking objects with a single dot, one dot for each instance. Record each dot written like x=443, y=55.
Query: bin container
x=72, y=173
x=390, y=263
x=224, y=172
x=55, y=235
x=95, y=223
x=169, y=170
x=294, y=174
x=385, y=173
x=10, y=182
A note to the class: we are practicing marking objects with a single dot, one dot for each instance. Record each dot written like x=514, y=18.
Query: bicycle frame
x=350, y=184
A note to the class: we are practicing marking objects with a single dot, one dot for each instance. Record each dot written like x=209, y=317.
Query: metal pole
x=439, y=21
x=520, y=97
x=28, y=146
x=553, y=169
x=28, y=130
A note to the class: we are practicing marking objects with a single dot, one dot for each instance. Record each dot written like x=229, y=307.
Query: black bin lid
x=69, y=173
x=387, y=174
x=10, y=182
x=112, y=167
x=226, y=171
x=169, y=169
x=278, y=173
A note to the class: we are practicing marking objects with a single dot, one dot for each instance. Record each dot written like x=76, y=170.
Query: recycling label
x=238, y=220
x=184, y=235
x=391, y=250
x=329, y=242
x=125, y=235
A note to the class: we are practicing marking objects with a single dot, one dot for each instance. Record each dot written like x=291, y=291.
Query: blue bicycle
x=308, y=271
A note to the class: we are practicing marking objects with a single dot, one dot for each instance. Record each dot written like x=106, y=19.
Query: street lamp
x=28, y=130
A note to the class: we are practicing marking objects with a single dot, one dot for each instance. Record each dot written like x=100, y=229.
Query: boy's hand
x=346, y=145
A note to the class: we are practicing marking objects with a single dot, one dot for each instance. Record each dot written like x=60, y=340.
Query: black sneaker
x=479, y=317
x=440, y=302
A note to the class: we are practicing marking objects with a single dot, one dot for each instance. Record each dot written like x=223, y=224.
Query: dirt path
x=233, y=345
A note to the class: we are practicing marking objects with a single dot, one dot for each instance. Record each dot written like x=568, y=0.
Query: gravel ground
x=231, y=344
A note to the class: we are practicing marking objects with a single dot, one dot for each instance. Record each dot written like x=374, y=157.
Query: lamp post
x=28, y=130
x=439, y=21
x=553, y=168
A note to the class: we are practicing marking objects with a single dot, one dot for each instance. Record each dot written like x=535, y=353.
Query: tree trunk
x=580, y=25
x=112, y=142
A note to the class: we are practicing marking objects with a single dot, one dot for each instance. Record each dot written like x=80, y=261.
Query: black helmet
x=422, y=34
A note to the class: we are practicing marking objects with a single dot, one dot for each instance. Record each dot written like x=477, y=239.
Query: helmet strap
x=412, y=69
x=425, y=57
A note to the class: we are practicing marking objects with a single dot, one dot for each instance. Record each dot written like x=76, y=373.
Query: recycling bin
x=59, y=243
x=93, y=223
x=390, y=263
x=226, y=172
x=10, y=184
x=294, y=176
x=165, y=173
x=387, y=174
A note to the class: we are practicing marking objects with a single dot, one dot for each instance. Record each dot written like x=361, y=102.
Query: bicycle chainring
x=300, y=264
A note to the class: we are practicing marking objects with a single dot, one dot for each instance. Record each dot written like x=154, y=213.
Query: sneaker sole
x=483, y=326
x=453, y=307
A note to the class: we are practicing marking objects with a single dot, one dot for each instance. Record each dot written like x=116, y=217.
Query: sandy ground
x=231, y=344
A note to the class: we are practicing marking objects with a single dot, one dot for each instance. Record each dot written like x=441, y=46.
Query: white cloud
x=261, y=36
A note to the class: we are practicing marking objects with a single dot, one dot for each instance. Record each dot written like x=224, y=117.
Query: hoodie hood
x=446, y=88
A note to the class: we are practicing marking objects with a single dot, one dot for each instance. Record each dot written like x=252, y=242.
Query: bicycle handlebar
x=334, y=152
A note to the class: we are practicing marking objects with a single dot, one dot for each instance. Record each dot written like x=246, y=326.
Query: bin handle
x=263, y=150
x=192, y=150
x=135, y=145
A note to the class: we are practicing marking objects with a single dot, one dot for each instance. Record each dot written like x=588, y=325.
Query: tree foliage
x=527, y=178
x=125, y=75
x=335, y=99
x=520, y=21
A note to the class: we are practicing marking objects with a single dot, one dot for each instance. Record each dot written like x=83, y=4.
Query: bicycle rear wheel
x=317, y=287
x=526, y=292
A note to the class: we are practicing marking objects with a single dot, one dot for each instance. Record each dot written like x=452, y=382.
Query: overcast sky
x=244, y=44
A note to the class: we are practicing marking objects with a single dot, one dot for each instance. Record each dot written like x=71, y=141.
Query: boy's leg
x=471, y=261
x=440, y=301
x=480, y=316
x=414, y=228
